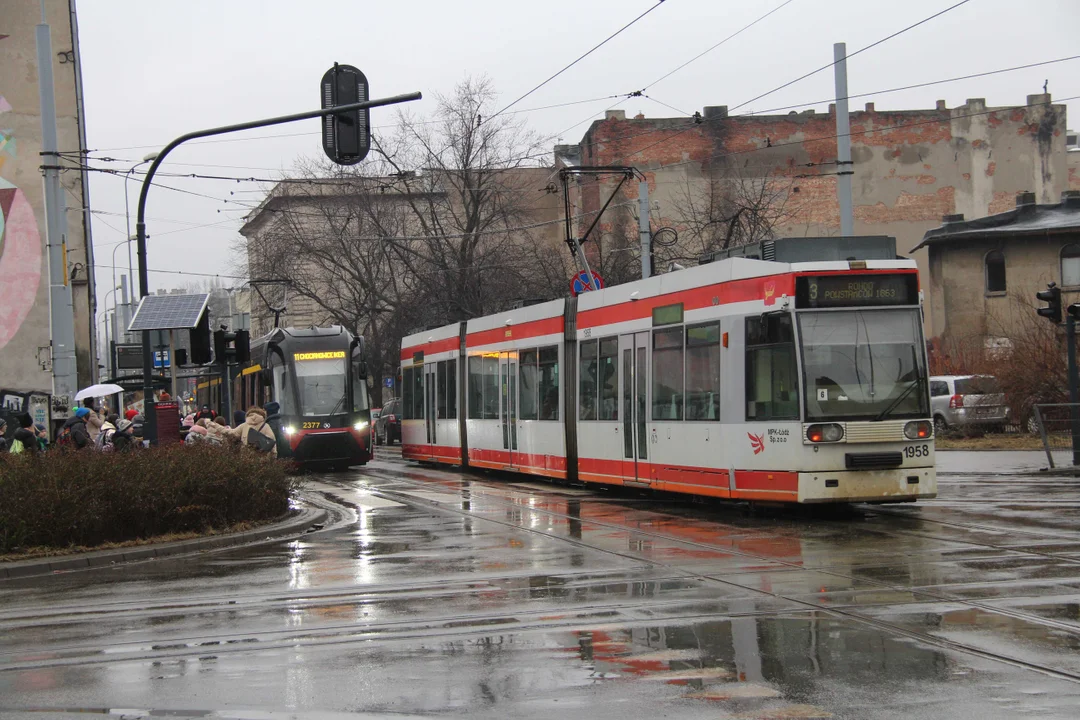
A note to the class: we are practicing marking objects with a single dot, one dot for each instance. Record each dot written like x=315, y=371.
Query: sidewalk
x=297, y=522
x=996, y=462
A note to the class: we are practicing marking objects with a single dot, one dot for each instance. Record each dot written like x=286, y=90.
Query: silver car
x=959, y=400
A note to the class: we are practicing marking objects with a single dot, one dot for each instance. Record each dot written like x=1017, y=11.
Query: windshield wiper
x=338, y=403
x=899, y=398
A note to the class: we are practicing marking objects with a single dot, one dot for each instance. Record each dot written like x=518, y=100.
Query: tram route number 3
x=917, y=451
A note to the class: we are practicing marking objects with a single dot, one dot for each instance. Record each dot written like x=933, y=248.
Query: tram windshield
x=863, y=364
x=320, y=385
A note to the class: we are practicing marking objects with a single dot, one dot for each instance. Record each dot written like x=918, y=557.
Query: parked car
x=388, y=426
x=375, y=412
x=967, y=400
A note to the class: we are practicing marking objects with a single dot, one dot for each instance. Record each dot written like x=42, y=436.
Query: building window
x=1070, y=265
x=995, y=271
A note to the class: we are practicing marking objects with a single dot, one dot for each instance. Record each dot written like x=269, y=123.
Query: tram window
x=771, y=380
x=608, y=377
x=476, y=387
x=528, y=408
x=703, y=372
x=491, y=388
x=418, y=393
x=451, y=388
x=406, y=393
x=440, y=401
x=587, y=369
x=281, y=389
x=667, y=374
x=549, y=383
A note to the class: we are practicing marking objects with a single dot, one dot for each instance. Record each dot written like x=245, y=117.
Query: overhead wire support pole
x=844, y=166
x=150, y=419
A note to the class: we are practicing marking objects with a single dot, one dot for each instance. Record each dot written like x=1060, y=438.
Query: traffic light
x=242, y=343
x=221, y=346
x=200, y=341
x=1074, y=311
x=346, y=136
x=1052, y=296
x=232, y=346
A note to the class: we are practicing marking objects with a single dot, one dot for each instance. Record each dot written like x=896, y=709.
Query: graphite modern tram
x=744, y=379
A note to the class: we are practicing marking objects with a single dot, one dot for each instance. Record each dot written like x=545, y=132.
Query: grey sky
x=155, y=70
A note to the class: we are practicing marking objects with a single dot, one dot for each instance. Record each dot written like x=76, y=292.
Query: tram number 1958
x=917, y=451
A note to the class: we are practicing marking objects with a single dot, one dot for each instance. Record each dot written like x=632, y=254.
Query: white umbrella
x=99, y=390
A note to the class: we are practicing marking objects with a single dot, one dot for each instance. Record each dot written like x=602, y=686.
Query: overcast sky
x=156, y=70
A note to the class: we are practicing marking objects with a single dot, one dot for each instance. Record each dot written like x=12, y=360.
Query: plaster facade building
x=984, y=272
x=25, y=358
x=911, y=167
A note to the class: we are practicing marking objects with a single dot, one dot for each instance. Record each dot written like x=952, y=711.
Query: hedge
x=64, y=498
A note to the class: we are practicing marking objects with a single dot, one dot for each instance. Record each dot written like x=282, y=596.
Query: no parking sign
x=580, y=283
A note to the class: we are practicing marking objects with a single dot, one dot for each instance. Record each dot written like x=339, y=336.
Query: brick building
x=911, y=167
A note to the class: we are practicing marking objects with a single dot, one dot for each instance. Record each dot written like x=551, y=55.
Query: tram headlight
x=289, y=430
x=918, y=430
x=360, y=426
x=825, y=433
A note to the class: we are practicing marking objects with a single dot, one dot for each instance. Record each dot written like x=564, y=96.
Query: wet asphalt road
x=435, y=592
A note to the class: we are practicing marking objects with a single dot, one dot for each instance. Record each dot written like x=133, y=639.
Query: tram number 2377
x=916, y=451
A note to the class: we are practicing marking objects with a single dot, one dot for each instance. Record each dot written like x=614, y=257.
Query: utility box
x=812, y=249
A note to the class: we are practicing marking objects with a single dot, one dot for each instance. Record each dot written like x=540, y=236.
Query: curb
x=297, y=523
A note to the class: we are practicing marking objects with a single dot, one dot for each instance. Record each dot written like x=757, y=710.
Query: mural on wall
x=20, y=244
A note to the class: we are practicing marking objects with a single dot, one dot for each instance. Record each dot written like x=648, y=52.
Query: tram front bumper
x=903, y=484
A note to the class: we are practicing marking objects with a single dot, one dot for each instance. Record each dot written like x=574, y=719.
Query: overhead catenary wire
x=579, y=59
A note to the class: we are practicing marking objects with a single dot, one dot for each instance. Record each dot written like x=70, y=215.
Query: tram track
x=932, y=595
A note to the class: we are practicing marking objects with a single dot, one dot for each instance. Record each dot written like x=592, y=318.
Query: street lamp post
x=149, y=157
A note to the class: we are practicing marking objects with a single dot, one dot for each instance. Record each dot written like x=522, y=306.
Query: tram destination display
x=847, y=290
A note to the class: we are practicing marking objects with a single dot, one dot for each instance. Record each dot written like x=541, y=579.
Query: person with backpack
x=104, y=438
x=255, y=434
x=24, y=439
x=205, y=413
x=74, y=434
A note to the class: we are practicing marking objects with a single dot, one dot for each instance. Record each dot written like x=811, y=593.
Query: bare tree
x=728, y=208
x=446, y=221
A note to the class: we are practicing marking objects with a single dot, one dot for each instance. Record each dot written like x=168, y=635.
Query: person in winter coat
x=122, y=439
x=94, y=420
x=205, y=412
x=254, y=421
x=130, y=414
x=24, y=434
x=42, y=434
x=3, y=436
x=76, y=430
x=273, y=419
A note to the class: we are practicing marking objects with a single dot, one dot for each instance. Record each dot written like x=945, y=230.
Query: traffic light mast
x=1052, y=312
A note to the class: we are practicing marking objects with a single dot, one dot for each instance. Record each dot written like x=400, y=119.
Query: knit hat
x=130, y=413
x=25, y=420
x=256, y=411
x=81, y=412
x=272, y=407
x=123, y=425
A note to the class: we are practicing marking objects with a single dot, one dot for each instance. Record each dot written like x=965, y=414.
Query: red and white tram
x=743, y=379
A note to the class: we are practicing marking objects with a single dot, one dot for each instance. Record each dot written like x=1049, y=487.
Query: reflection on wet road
x=488, y=596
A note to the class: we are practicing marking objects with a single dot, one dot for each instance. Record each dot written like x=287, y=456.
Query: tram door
x=634, y=381
x=429, y=401
x=508, y=403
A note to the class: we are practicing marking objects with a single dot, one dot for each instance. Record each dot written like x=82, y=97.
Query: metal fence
x=1058, y=423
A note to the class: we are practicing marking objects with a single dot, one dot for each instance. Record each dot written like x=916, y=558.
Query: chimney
x=639, y=116
x=952, y=219
x=869, y=107
x=1024, y=199
x=713, y=112
x=941, y=105
x=615, y=115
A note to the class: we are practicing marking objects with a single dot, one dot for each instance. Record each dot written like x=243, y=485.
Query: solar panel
x=169, y=312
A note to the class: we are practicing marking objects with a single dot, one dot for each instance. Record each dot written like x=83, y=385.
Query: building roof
x=1027, y=218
